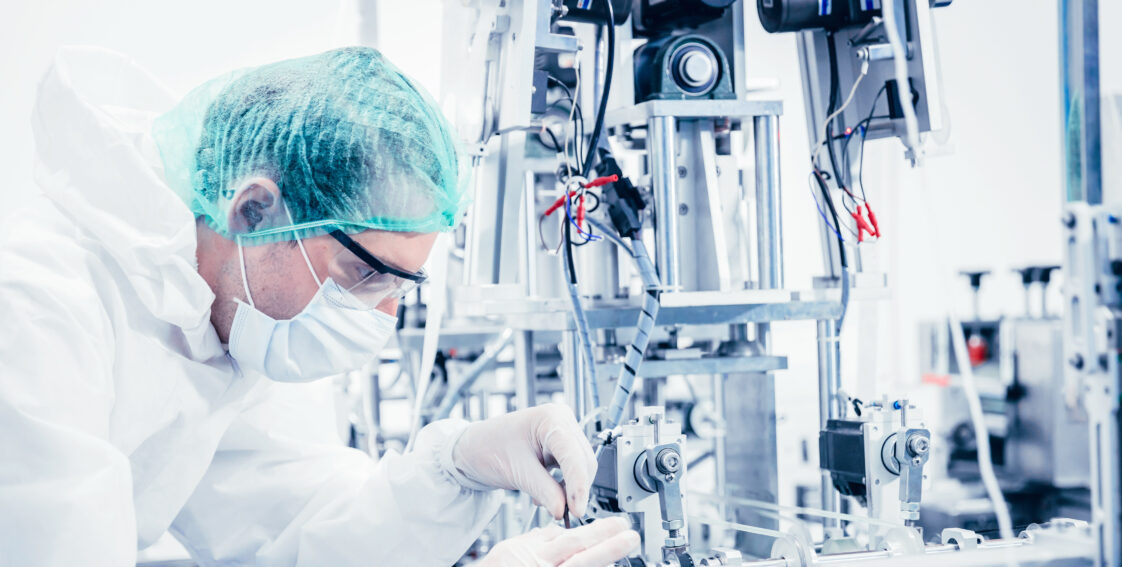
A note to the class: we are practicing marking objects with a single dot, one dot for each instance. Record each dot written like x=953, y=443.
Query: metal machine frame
x=719, y=291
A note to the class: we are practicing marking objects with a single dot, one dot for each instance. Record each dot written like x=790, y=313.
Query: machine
x=624, y=253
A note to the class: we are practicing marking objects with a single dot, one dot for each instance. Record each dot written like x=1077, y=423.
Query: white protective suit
x=121, y=415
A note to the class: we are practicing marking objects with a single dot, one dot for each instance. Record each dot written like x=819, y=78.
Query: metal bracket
x=962, y=537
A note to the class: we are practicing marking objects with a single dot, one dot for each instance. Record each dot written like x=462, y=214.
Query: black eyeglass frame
x=371, y=260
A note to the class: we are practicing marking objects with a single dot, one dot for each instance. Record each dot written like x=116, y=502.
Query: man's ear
x=256, y=205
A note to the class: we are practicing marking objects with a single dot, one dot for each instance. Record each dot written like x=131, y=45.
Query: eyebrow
x=371, y=260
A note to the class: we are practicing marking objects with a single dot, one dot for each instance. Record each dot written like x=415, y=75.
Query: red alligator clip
x=601, y=181
x=580, y=211
x=557, y=204
x=872, y=219
x=863, y=225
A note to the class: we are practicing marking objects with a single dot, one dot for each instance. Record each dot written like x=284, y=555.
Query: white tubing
x=981, y=433
x=900, y=66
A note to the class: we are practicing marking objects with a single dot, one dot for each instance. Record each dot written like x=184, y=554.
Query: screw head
x=1069, y=219
x=919, y=445
x=683, y=209
x=668, y=461
x=1076, y=361
x=682, y=171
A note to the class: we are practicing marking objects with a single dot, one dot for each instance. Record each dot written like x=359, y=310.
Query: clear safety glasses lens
x=366, y=277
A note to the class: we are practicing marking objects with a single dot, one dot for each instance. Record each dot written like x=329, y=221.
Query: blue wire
x=588, y=236
x=826, y=220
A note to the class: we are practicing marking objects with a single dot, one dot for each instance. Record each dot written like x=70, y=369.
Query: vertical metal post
x=769, y=219
x=829, y=382
x=529, y=236
x=720, y=446
x=525, y=370
x=662, y=146
x=572, y=377
x=1080, y=112
x=769, y=223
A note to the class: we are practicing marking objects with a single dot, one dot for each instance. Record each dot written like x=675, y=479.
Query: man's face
x=282, y=285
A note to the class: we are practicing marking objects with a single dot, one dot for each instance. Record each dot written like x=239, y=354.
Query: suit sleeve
x=65, y=491
x=273, y=497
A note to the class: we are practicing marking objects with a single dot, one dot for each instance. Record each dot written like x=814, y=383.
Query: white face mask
x=335, y=333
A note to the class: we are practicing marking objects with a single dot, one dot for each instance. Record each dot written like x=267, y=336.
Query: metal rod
x=720, y=446
x=769, y=223
x=572, y=375
x=478, y=366
x=525, y=370
x=529, y=236
x=662, y=145
x=829, y=382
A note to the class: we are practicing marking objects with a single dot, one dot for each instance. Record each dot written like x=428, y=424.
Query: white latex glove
x=514, y=452
x=598, y=544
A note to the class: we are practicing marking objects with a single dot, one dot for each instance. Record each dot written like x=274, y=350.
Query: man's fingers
x=546, y=533
x=576, y=540
x=539, y=484
x=566, y=445
x=606, y=552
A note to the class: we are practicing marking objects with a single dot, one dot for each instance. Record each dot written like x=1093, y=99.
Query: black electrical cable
x=563, y=86
x=841, y=248
x=578, y=119
x=862, y=127
x=833, y=214
x=832, y=52
x=609, y=69
x=578, y=136
x=834, y=92
x=594, y=197
x=569, y=252
x=556, y=145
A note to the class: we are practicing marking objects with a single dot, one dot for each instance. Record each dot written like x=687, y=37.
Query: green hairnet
x=350, y=141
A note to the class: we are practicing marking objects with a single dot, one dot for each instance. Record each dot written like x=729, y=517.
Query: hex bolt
x=668, y=461
x=919, y=445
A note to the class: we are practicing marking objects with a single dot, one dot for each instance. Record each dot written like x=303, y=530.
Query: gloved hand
x=598, y=544
x=514, y=452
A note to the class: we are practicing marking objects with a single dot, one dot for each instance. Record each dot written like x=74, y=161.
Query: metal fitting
x=919, y=445
x=674, y=542
x=668, y=461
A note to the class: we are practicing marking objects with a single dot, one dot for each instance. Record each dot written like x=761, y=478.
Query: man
x=155, y=295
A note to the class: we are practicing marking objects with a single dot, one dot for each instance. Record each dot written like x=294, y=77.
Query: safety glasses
x=366, y=277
